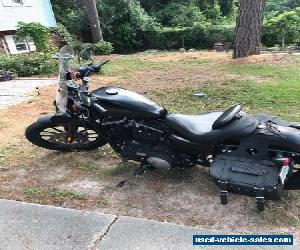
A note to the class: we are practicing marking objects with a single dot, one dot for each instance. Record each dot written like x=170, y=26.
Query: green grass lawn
x=268, y=88
x=278, y=98
x=278, y=94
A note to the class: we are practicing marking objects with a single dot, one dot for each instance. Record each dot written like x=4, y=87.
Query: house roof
x=30, y=11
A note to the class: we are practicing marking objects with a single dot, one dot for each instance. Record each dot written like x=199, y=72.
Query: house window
x=17, y=46
x=21, y=45
x=19, y=2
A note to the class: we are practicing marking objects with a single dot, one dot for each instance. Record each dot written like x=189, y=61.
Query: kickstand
x=144, y=167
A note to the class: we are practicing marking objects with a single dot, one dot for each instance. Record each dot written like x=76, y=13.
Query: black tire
x=33, y=134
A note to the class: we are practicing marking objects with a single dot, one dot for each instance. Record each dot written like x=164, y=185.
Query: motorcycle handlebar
x=103, y=63
x=90, y=69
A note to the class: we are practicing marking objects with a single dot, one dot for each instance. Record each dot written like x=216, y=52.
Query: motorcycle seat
x=195, y=124
x=201, y=128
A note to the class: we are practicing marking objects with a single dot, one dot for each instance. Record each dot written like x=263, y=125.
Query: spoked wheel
x=59, y=137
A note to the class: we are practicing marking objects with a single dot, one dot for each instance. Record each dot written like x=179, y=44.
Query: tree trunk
x=283, y=38
x=92, y=13
x=249, y=28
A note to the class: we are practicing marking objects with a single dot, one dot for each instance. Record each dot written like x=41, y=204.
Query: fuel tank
x=124, y=103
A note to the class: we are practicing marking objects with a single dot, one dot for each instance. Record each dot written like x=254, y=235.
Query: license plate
x=283, y=173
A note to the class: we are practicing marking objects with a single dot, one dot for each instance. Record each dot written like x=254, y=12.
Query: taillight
x=286, y=161
x=282, y=161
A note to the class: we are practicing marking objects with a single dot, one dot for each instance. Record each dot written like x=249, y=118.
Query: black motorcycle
x=250, y=155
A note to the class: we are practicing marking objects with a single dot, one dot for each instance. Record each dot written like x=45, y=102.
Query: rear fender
x=290, y=138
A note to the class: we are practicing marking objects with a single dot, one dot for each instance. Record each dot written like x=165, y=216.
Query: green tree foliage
x=36, y=32
x=275, y=7
x=129, y=24
x=124, y=22
x=280, y=25
x=285, y=27
x=177, y=14
x=71, y=15
x=226, y=7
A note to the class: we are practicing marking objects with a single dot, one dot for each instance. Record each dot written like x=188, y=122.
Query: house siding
x=32, y=11
x=4, y=48
x=2, y=45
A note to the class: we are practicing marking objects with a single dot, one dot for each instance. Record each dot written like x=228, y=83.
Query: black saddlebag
x=252, y=177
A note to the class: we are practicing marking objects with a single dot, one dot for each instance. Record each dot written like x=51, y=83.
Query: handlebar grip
x=97, y=67
x=103, y=63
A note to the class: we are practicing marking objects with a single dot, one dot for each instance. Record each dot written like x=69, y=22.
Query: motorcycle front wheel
x=56, y=137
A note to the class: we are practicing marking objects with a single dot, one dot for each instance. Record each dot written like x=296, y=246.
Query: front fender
x=58, y=118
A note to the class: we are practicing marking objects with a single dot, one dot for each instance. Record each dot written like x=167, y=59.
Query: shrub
x=77, y=46
x=292, y=46
x=199, y=37
x=102, y=48
x=29, y=64
x=219, y=33
x=166, y=38
x=62, y=36
x=88, y=46
x=35, y=31
x=276, y=48
x=64, y=33
x=66, y=38
x=86, y=51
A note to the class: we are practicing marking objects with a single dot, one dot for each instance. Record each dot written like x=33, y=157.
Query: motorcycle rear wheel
x=55, y=137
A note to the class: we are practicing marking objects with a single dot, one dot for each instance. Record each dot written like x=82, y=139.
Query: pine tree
x=249, y=27
x=92, y=13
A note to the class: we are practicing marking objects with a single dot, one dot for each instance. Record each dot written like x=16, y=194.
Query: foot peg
x=224, y=197
x=260, y=203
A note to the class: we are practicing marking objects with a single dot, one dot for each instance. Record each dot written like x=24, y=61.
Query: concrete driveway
x=17, y=91
x=26, y=226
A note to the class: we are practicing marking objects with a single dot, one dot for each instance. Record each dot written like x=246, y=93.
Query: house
x=14, y=11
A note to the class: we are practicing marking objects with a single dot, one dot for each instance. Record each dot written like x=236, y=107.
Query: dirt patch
x=184, y=56
x=25, y=113
x=269, y=59
x=55, y=174
x=182, y=196
x=89, y=187
x=179, y=75
x=170, y=79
